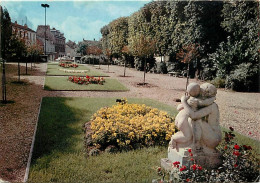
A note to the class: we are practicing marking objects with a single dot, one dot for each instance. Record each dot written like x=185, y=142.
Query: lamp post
x=45, y=6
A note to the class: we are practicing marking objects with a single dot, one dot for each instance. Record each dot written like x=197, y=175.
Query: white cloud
x=77, y=28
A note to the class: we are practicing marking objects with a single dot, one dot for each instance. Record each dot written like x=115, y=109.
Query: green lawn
x=53, y=70
x=59, y=154
x=62, y=83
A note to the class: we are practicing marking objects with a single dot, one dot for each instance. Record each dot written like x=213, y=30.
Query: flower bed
x=128, y=126
x=86, y=80
x=67, y=65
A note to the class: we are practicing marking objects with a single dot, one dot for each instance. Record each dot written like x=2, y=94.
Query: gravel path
x=239, y=110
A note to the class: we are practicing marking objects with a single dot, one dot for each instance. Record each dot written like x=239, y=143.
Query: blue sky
x=76, y=19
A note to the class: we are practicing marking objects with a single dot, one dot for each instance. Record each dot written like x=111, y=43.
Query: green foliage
x=234, y=57
x=218, y=82
x=162, y=68
x=226, y=32
x=244, y=78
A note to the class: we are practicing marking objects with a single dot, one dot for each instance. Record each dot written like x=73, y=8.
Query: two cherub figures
x=197, y=120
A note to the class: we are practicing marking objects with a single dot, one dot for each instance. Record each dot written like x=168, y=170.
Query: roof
x=24, y=27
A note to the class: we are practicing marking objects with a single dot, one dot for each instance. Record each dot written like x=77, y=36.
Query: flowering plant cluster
x=239, y=165
x=129, y=126
x=66, y=65
x=86, y=80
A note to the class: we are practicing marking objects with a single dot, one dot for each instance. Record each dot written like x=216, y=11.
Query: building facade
x=25, y=33
x=50, y=46
x=59, y=42
x=71, y=49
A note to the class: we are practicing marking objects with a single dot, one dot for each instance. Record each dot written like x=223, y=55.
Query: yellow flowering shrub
x=129, y=126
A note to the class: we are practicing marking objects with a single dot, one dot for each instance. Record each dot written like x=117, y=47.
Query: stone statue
x=198, y=124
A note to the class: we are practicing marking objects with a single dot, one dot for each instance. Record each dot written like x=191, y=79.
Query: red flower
x=187, y=180
x=159, y=169
x=189, y=150
x=199, y=167
x=225, y=147
x=192, y=159
x=236, y=147
x=194, y=167
x=191, y=154
x=247, y=147
x=236, y=153
x=250, y=133
x=176, y=164
x=183, y=168
x=235, y=165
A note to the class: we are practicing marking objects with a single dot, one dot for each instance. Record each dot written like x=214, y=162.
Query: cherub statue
x=190, y=133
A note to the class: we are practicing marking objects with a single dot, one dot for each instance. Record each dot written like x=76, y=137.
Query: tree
x=143, y=47
x=186, y=55
x=6, y=33
x=236, y=59
x=125, y=52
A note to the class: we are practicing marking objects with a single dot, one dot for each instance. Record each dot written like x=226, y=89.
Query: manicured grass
x=59, y=154
x=53, y=70
x=62, y=83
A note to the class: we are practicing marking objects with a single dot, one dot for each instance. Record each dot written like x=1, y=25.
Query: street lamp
x=45, y=6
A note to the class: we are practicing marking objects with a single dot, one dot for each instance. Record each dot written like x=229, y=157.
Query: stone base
x=206, y=160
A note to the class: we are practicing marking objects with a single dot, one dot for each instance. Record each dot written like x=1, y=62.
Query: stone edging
x=31, y=150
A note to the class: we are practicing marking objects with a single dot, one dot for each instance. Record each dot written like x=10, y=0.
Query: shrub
x=243, y=78
x=218, y=82
x=163, y=68
x=130, y=126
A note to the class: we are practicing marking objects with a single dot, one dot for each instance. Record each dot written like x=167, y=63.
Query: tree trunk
x=26, y=67
x=188, y=75
x=124, y=68
x=99, y=62
x=19, y=72
x=31, y=62
x=144, y=69
x=4, y=101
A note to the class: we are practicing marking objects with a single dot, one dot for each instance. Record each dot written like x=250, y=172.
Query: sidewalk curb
x=32, y=145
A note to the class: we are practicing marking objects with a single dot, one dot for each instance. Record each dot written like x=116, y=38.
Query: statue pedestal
x=206, y=160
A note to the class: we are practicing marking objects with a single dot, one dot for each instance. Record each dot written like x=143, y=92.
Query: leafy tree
x=82, y=48
x=144, y=48
x=239, y=54
x=118, y=32
x=186, y=55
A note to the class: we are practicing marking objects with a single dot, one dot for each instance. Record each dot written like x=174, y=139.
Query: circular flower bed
x=86, y=80
x=129, y=126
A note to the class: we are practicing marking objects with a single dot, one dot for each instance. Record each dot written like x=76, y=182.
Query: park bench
x=175, y=74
